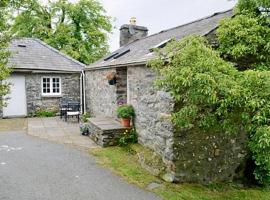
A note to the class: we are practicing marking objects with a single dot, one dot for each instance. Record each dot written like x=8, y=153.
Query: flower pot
x=125, y=122
x=112, y=82
x=84, y=129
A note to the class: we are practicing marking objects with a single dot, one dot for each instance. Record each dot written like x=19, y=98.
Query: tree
x=228, y=89
x=77, y=29
x=4, y=54
x=212, y=95
x=245, y=38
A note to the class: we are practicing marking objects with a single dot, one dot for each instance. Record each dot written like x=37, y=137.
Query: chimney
x=131, y=32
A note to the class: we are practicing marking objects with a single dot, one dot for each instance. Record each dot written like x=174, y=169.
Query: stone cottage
x=188, y=157
x=41, y=76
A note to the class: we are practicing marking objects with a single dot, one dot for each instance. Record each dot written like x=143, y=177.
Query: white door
x=16, y=104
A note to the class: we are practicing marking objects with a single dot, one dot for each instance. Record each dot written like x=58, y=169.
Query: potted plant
x=111, y=77
x=125, y=112
x=84, y=126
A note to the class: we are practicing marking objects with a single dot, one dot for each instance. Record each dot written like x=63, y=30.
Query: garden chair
x=63, y=106
x=73, y=110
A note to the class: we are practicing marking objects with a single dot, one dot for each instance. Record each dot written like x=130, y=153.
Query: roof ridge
x=55, y=50
x=166, y=30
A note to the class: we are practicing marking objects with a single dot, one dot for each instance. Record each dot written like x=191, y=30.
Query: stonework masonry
x=152, y=108
x=70, y=88
x=189, y=156
x=101, y=98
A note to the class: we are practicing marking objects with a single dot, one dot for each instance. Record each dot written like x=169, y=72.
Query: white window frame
x=51, y=94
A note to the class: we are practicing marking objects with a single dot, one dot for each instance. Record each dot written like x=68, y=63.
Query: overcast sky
x=158, y=15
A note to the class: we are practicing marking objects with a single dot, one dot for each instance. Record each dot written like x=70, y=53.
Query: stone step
x=105, y=131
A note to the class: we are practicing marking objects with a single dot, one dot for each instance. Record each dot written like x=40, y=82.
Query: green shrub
x=125, y=111
x=210, y=94
x=129, y=137
x=45, y=113
x=85, y=116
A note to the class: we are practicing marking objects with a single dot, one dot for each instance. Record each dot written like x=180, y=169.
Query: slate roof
x=140, y=49
x=33, y=54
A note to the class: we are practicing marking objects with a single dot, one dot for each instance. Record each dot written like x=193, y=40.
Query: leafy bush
x=85, y=116
x=129, y=137
x=244, y=39
x=260, y=147
x=125, y=111
x=45, y=113
x=212, y=95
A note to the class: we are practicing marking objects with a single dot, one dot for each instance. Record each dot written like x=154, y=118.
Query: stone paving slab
x=7, y=125
x=56, y=130
x=105, y=123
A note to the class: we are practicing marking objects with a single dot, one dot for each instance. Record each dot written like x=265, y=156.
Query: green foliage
x=77, y=29
x=129, y=137
x=85, y=117
x=125, y=111
x=4, y=54
x=84, y=129
x=203, y=85
x=251, y=6
x=260, y=147
x=245, y=38
x=212, y=95
x=45, y=113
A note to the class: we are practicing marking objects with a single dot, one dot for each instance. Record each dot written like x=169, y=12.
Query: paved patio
x=56, y=130
x=19, y=124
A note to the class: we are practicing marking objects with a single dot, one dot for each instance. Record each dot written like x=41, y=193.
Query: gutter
x=117, y=65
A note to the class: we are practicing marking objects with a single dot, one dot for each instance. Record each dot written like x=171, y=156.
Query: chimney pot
x=133, y=21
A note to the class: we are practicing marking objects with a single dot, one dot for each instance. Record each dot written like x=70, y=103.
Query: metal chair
x=73, y=110
x=63, y=106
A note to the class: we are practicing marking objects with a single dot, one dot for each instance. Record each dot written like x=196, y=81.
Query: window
x=51, y=86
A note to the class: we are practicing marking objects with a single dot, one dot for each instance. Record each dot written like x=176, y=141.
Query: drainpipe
x=84, y=94
x=81, y=93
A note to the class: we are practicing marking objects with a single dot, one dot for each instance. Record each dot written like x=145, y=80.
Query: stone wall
x=101, y=98
x=209, y=157
x=70, y=88
x=152, y=109
x=121, y=86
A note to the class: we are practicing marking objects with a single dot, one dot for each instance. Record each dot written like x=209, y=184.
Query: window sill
x=52, y=96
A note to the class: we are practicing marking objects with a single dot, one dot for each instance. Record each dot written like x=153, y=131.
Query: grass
x=125, y=164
